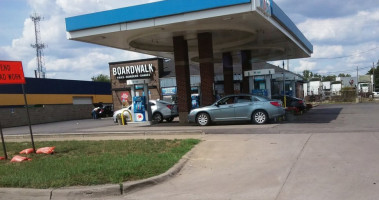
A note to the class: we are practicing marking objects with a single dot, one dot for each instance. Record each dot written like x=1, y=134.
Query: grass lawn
x=91, y=162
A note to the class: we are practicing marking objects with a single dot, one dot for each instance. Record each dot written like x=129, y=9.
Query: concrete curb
x=98, y=191
x=116, y=190
x=130, y=187
x=25, y=193
x=103, y=134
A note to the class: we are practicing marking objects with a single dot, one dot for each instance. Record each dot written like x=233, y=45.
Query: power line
x=349, y=71
x=346, y=56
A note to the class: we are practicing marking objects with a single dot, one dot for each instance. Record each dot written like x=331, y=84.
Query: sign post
x=2, y=140
x=11, y=72
x=29, y=122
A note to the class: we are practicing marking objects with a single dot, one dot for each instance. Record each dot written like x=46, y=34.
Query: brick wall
x=11, y=117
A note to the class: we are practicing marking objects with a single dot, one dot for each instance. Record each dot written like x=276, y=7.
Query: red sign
x=11, y=72
x=124, y=95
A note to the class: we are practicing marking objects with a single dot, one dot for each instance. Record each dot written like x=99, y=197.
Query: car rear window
x=261, y=98
x=243, y=99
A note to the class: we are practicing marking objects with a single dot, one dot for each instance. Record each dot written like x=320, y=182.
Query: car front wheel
x=259, y=117
x=203, y=119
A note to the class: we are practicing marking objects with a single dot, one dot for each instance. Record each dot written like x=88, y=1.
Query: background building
x=51, y=100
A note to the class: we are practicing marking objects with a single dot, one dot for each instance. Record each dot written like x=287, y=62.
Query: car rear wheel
x=157, y=117
x=203, y=119
x=259, y=117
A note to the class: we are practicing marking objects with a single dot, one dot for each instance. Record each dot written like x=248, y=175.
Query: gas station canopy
x=256, y=25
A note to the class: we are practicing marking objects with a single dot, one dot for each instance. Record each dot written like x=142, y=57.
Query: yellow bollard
x=122, y=116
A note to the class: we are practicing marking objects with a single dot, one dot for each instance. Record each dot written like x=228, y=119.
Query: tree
x=101, y=78
x=344, y=75
x=317, y=76
x=307, y=75
x=329, y=78
x=310, y=76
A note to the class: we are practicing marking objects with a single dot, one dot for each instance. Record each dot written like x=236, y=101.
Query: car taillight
x=170, y=107
x=301, y=102
x=275, y=103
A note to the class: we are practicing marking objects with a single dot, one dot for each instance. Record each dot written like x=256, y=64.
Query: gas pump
x=142, y=112
x=139, y=103
x=195, y=101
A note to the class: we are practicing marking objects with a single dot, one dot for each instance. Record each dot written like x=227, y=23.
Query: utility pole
x=373, y=77
x=357, y=87
x=40, y=73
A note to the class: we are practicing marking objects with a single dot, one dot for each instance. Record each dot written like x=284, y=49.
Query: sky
x=344, y=34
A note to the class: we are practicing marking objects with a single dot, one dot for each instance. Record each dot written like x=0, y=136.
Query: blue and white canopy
x=256, y=25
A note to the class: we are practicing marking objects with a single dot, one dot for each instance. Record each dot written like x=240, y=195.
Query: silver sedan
x=240, y=107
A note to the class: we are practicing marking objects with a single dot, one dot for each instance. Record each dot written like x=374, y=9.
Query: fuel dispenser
x=195, y=101
x=141, y=110
x=139, y=103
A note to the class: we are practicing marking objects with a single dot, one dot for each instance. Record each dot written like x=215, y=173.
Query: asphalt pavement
x=330, y=152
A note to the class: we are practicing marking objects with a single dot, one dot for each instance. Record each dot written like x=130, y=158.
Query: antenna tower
x=40, y=72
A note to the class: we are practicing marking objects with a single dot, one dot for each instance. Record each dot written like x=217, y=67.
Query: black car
x=292, y=103
x=101, y=111
x=106, y=111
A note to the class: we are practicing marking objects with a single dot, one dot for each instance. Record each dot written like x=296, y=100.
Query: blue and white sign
x=259, y=72
x=168, y=91
x=259, y=78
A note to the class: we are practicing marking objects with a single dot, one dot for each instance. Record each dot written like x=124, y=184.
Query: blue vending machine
x=195, y=101
x=139, y=108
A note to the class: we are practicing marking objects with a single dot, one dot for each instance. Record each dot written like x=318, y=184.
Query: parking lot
x=329, y=152
x=321, y=119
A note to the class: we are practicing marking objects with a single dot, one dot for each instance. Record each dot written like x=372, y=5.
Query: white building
x=326, y=85
x=335, y=88
x=315, y=88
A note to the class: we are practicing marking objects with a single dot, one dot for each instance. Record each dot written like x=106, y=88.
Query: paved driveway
x=330, y=153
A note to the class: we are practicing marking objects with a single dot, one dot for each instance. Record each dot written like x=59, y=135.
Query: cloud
x=47, y=7
x=328, y=51
x=20, y=47
x=64, y=58
x=357, y=28
x=341, y=29
x=323, y=9
x=89, y=64
x=304, y=65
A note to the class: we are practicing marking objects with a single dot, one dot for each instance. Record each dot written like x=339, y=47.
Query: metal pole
x=2, y=140
x=147, y=106
x=27, y=112
x=357, y=88
x=284, y=87
x=373, y=77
